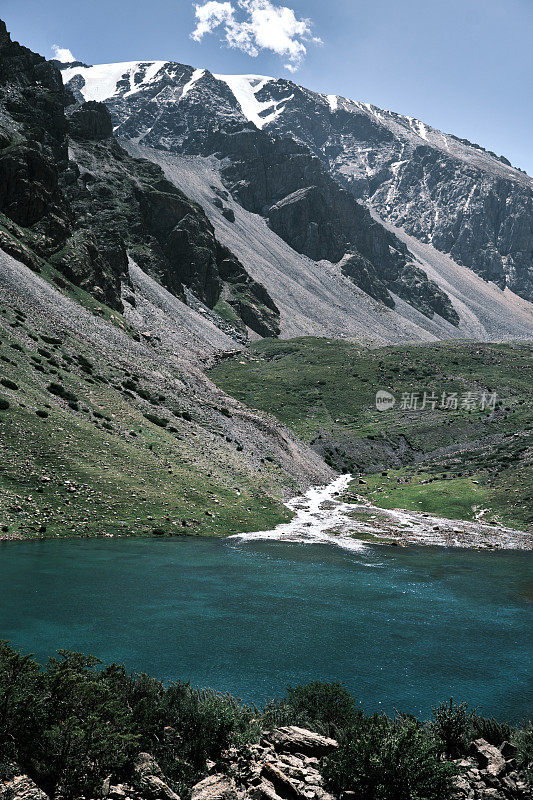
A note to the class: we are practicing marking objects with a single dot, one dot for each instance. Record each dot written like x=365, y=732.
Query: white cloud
x=210, y=15
x=62, y=54
x=254, y=25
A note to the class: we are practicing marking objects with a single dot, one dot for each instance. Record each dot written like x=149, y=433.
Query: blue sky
x=464, y=66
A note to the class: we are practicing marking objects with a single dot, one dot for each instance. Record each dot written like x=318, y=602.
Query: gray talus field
x=316, y=298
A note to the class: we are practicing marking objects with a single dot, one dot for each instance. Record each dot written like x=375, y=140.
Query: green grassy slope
x=88, y=447
x=325, y=391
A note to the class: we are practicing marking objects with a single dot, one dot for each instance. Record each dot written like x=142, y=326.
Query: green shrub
x=493, y=732
x=41, y=413
x=328, y=708
x=162, y=422
x=72, y=723
x=4, y=404
x=9, y=384
x=523, y=740
x=59, y=390
x=87, y=730
x=85, y=364
x=453, y=726
x=183, y=414
x=145, y=394
x=384, y=759
x=19, y=688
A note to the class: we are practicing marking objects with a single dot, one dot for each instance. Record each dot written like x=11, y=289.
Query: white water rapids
x=319, y=517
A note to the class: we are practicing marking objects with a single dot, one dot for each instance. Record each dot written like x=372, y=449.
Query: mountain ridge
x=245, y=82
x=464, y=200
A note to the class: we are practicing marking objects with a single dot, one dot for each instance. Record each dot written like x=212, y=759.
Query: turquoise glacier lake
x=402, y=628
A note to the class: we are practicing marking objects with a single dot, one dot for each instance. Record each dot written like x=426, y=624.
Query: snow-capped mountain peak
x=432, y=184
x=101, y=82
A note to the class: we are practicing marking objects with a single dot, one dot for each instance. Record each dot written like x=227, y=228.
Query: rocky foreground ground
x=285, y=765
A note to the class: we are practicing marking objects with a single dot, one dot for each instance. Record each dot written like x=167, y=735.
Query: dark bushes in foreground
x=74, y=722
x=384, y=759
x=327, y=708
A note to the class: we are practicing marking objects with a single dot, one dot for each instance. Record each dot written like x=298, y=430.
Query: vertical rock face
x=447, y=191
x=69, y=194
x=32, y=140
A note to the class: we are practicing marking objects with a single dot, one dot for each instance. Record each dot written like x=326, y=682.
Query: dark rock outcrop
x=310, y=211
x=91, y=121
x=70, y=195
x=462, y=199
x=123, y=199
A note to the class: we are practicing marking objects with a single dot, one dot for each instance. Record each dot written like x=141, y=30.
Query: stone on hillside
x=292, y=739
x=215, y=787
x=508, y=751
x=151, y=779
x=282, y=783
x=21, y=787
x=488, y=757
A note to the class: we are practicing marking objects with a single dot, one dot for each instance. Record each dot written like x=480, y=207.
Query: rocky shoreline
x=401, y=527
x=286, y=765
x=322, y=518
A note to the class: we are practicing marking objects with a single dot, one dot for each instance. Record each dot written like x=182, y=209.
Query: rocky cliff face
x=127, y=200
x=451, y=193
x=33, y=148
x=172, y=107
x=69, y=194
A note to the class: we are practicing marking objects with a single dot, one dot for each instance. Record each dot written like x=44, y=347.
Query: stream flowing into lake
x=321, y=516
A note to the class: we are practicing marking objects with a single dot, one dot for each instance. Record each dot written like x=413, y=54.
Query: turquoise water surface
x=402, y=628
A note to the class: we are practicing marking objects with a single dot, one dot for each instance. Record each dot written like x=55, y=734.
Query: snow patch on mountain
x=245, y=88
x=195, y=77
x=101, y=79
